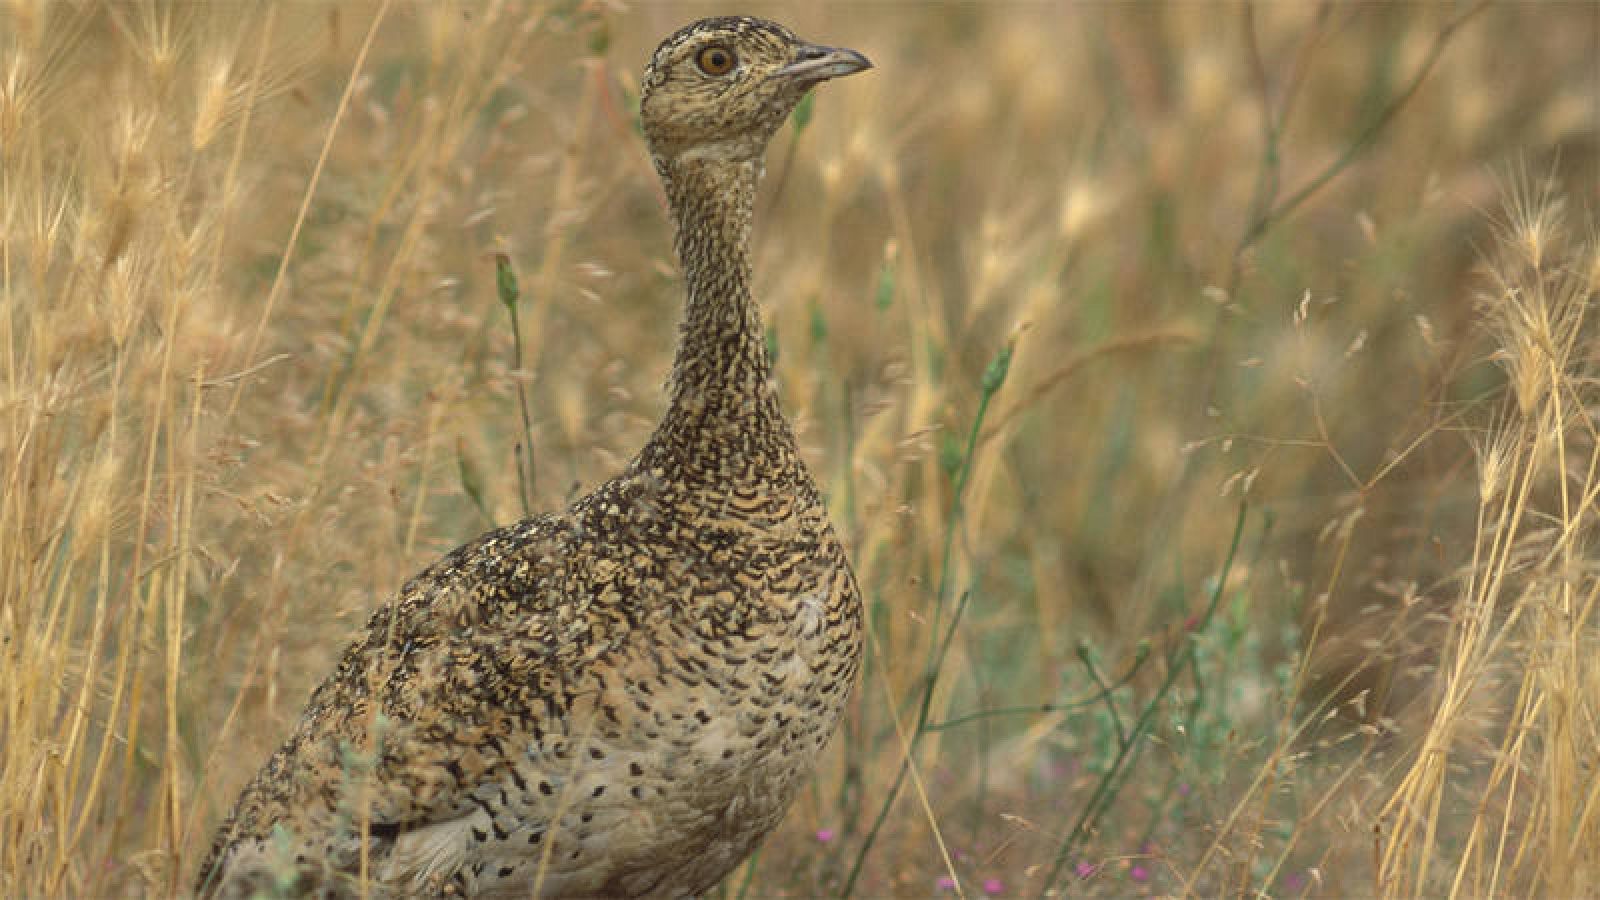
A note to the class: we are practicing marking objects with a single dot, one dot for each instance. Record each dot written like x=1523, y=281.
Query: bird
x=621, y=698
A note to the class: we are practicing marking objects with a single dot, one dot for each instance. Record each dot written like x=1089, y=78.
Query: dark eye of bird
x=715, y=60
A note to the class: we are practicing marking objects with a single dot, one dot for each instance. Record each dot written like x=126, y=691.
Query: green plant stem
x=1038, y=708
x=506, y=284
x=1105, y=692
x=993, y=377
x=1356, y=147
x=1111, y=782
x=905, y=769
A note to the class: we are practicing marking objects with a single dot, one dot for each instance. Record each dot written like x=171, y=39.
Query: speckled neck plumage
x=620, y=698
x=723, y=421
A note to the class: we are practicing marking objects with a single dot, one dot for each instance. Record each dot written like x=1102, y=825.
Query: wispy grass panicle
x=1537, y=302
x=255, y=369
x=1519, y=671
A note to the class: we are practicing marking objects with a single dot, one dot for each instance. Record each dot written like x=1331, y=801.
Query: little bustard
x=622, y=698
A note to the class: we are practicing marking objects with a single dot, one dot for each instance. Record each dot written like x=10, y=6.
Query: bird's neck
x=723, y=423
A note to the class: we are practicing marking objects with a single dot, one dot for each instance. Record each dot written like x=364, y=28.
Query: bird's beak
x=814, y=62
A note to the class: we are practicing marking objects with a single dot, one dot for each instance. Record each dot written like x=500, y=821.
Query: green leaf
x=802, y=112
x=471, y=481
x=600, y=40
x=885, y=296
x=506, y=281
x=950, y=457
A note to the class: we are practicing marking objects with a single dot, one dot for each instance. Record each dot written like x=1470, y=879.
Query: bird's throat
x=723, y=414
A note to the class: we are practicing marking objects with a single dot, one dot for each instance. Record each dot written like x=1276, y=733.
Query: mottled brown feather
x=622, y=698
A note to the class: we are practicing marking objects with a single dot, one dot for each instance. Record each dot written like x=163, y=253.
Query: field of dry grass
x=1207, y=393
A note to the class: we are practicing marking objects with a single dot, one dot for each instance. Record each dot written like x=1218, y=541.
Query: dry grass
x=252, y=366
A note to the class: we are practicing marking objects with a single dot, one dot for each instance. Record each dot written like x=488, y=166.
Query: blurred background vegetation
x=1204, y=391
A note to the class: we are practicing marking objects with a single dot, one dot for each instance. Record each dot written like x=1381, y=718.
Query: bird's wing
x=480, y=660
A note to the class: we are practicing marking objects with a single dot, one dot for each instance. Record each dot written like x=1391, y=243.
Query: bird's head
x=719, y=88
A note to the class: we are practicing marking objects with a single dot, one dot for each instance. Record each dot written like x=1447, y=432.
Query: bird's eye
x=715, y=60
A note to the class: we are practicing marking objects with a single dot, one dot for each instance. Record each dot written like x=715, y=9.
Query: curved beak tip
x=814, y=62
